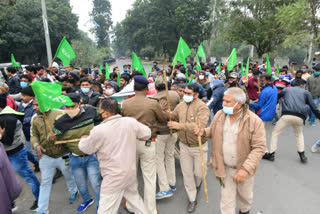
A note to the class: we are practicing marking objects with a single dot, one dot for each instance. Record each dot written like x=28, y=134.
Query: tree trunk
x=212, y=36
x=251, y=49
x=307, y=60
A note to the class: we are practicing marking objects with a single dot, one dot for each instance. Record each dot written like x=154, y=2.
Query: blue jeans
x=48, y=166
x=82, y=169
x=32, y=156
x=311, y=114
x=19, y=162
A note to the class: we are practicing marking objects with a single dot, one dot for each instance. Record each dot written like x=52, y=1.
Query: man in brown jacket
x=238, y=144
x=187, y=113
x=165, y=145
x=148, y=112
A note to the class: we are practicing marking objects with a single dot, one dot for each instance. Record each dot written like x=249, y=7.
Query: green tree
x=253, y=21
x=160, y=23
x=101, y=14
x=21, y=28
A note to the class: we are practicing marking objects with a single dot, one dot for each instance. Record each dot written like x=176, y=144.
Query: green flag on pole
x=13, y=62
x=278, y=69
x=183, y=51
x=65, y=52
x=198, y=64
x=118, y=78
x=149, y=68
x=191, y=79
x=247, y=68
x=242, y=71
x=201, y=52
x=107, y=71
x=268, y=65
x=49, y=96
x=137, y=65
x=232, y=61
x=219, y=68
x=100, y=69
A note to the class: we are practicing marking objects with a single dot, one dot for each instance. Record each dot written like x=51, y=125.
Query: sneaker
x=313, y=124
x=14, y=208
x=34, y=206
x=173, y=188
x=315, y=148
x=164, y=194
x=84, y=205
x=73, y=197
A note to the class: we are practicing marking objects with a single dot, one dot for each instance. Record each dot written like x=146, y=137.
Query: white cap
x=55, y=65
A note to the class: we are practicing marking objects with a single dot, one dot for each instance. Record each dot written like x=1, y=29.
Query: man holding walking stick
x=187, y=113
x=238, y=144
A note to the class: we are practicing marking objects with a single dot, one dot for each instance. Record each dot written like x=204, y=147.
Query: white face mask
x=250, y=75
x=110, y=91
x=187, y=98
x=73, y=112
x=201, y=77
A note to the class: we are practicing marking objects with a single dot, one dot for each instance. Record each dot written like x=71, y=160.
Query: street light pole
x=46, y=31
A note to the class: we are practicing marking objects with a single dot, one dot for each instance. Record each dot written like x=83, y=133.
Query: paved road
x=283, y=187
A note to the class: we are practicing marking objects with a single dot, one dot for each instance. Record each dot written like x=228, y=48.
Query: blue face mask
x=304, y=70
x=229, y=110
x=207, y=73
x=282, y=76
x=23, y=84
x=85, y=90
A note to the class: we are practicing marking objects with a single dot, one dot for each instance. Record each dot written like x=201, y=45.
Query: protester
x=77, y=122
x=10, y=101
x=267, y=102
x=26, y=107
x=217, y=96
x=118, y=171
x=282, y=82
x=10, y=187
x=238, y=144
x=313, y=86
x=12, y=139
x=297, y=77
x=253, y=87
x=187, y=113
x=88, y=96
x=180, y=89
x=25, y=81
x=111, y=88
x=50, y=157
x=13, y=81
x=203, y=80
x=233, y=81
x=294, y=114
x=149, y=113
x=165, y=145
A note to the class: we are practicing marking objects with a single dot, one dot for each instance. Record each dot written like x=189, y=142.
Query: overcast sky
x=83, y=7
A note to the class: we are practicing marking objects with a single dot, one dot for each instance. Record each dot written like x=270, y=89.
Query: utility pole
x=46, y=31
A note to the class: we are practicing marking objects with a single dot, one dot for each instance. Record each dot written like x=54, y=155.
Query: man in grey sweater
x=313, y=85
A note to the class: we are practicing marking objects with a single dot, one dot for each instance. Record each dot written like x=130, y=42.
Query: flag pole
x=202, y=164
x=167, y=90
x=47, y=122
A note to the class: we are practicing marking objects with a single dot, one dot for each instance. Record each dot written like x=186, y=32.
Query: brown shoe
x=124, y=205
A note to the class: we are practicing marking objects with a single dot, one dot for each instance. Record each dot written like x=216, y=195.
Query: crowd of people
x=99, y=141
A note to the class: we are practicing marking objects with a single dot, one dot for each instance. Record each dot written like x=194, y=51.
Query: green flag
x=268, y=66
x=149, y=68
x=247, y=68
x=13, y=62
x=107, y=71
x=100, y=69
x=137, y=65
x=219, y=68
x=232, y=61
x=118, y=78
x=278, y=69
x=65, y=52
x=242, y=71
x=186, y=74
x=201, y=52
x=49, y=96
x=183, y=51
x=198, y=64
x=191, y=79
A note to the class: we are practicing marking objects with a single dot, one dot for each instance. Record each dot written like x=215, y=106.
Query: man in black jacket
x=13, y=81
x=12, y=140
x=294, y=113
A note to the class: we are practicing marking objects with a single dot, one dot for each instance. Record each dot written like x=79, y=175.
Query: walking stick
x=202, y=164
x=67, y=141
x=167, y=90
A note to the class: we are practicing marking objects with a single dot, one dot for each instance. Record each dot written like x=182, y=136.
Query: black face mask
x=81, y=76
x=233, y=83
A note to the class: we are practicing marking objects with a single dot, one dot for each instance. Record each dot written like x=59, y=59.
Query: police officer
x=148, y=112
